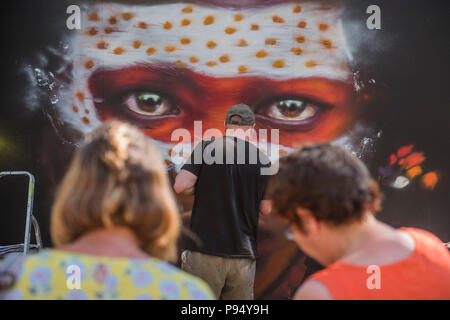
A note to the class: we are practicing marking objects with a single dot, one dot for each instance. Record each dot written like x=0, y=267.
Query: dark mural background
x=409, y=104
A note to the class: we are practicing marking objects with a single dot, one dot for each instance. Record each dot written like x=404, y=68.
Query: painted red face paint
x=197, y=97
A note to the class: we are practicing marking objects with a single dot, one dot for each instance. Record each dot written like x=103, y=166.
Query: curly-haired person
x=329, y=200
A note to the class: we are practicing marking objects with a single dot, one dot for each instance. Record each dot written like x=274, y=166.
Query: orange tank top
x=425, y=274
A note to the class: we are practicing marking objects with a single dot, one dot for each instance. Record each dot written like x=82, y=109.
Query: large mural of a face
x=166, y=65
x=161, y=65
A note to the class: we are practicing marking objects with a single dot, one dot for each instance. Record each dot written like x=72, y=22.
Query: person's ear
x=309, y=223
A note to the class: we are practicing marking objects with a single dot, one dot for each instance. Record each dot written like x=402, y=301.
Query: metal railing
x=30, y=219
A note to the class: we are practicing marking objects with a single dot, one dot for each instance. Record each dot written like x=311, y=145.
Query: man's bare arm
x=185, y=182
x=265, y=208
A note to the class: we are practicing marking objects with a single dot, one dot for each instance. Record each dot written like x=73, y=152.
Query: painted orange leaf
x=430, y=180
x=413, y=159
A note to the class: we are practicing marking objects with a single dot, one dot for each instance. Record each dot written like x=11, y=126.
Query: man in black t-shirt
x=227, y=177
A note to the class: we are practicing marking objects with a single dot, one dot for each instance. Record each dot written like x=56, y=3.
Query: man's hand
x=265, y=208
x=188, y=192
x=185, y=182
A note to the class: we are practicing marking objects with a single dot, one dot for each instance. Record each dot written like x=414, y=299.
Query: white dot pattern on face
x=279, y=42
x=177, y=32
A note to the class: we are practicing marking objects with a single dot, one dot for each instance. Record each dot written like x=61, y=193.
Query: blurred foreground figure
x=329, y=200
x=114, y=221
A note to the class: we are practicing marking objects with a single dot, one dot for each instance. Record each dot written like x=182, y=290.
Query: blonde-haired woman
x=114, y=222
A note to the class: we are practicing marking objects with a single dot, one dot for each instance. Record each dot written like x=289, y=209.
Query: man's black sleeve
x=195, y=161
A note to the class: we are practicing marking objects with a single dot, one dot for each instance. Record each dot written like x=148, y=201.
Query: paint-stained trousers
x=229, y=278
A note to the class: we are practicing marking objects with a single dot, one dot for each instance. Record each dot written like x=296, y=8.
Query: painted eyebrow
x=160, y=75
x=158, y=70
x=253, y=89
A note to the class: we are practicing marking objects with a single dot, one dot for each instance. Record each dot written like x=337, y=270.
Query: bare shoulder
x=313, y=290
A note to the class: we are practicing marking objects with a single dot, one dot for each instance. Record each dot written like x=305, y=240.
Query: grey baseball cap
x=247, y=117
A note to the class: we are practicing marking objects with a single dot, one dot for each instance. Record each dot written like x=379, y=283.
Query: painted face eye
x=291, y=110
x=149, y=104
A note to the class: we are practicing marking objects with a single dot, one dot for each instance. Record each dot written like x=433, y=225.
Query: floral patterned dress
x=53, y=274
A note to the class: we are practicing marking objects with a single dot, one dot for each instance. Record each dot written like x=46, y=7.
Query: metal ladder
x=26, y=246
